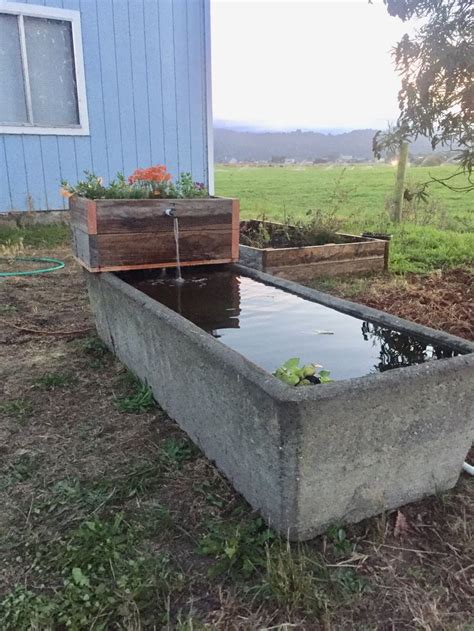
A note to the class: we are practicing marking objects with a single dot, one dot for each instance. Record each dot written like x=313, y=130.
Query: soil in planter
x=258, y=234
x=268, y=325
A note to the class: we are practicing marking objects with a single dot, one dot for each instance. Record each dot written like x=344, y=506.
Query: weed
x=97, y=351
x=103, y=580
x=178, y=450
x=340, y=544
x=154, y=519
x=48, y=236
x=93, y=345
x=239, y=549
x=53, y=380
x=349, y=581
x=140, y=401
x=294, y=578
x=21, y=470
x=11, y=248
x=88, y=496
x=7, y=309
x=21, y=609
x=144, y=477
x=85, y=497
x=298, y=578
x=187, y=623
x=317, y=228
x=211, y=495
x=71, y=496
x=19, y=409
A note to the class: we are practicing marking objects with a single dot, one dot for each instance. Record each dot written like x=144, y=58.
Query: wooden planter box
x=357, y=254
x=123, y=234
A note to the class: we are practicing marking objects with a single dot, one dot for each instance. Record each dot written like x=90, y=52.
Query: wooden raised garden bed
x=350, y=255
x=124, y=234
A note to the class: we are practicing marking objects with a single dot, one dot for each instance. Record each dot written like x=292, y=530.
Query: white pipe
x=468, y=468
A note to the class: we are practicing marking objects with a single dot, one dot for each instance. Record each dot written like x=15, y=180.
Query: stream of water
x=179, y=277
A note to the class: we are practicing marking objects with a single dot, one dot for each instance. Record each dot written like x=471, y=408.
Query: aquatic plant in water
x=295, y=375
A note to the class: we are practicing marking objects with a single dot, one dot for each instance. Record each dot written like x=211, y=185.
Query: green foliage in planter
x=152, y=183
x=317, y=228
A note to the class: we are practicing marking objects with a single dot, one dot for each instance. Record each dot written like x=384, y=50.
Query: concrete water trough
x=371, y=440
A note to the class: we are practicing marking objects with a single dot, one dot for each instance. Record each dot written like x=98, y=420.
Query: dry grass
x=69, y=455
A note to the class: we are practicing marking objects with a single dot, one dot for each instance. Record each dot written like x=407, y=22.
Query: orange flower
x=157, y=173
x=65, y=193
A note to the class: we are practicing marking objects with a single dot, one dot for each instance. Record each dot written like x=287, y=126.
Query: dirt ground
x=84, y=452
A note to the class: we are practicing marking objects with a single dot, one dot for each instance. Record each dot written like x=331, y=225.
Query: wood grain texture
x=235, y=229
x=327, y=268
x=83, y=214
x=148, y=215
x=148, y=248
x=78, y=213
x=84, y=247
x=330, y=251
x=125, y=233
x=386, y=256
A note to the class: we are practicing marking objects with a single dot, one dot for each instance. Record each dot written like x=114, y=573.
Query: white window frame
x=22, y=10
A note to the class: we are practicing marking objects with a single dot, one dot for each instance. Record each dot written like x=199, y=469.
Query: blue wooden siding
x=146, y=81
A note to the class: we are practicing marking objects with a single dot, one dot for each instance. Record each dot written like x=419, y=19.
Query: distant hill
x=299, y=145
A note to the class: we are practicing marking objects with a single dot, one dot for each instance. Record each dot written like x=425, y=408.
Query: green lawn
x=436, y=235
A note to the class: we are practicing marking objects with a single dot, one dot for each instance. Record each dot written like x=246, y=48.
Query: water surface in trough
x=269, y=325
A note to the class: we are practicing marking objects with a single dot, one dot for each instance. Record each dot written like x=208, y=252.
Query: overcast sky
x=304, y=64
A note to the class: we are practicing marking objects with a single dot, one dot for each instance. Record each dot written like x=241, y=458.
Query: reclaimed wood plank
x=235, y=229
x=154, y=221
x=83, y=214
x=148, y=215
x=330, y=251
x=149, y=248
x=386, y=255
x=125, y=233
x=84, y=246
x=327, y=268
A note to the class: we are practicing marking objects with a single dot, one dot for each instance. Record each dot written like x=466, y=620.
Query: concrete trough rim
x=285, y=393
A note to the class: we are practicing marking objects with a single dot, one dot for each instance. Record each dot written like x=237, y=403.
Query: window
x=42, y=87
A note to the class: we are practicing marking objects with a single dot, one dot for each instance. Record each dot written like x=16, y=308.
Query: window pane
x=12, y=89
x=52, y=73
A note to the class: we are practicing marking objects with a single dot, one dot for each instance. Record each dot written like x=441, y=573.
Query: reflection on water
x=268, y=325
x=397, y=349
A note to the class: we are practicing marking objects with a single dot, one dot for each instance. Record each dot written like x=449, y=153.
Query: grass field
x=439, y=234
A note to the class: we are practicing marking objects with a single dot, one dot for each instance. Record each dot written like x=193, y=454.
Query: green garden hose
x=57, y=265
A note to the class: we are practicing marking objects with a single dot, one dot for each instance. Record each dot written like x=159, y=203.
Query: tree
x=436, y=65
x=400, y=182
